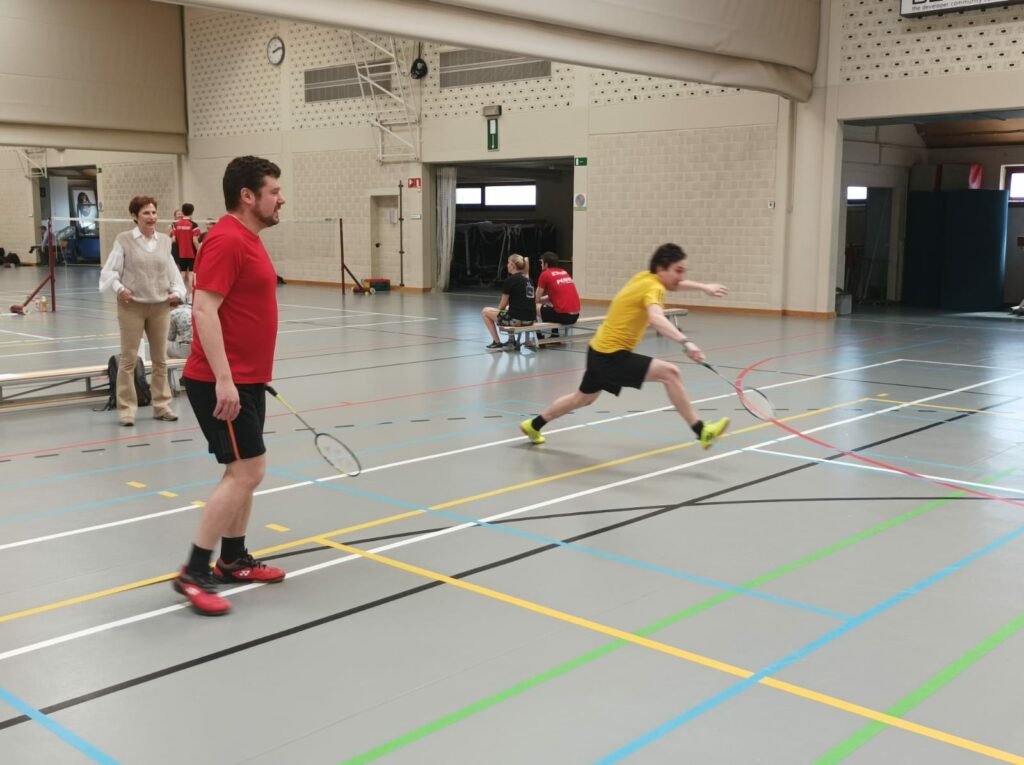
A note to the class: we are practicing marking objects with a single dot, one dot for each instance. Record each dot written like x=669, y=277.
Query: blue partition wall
x=956, y=250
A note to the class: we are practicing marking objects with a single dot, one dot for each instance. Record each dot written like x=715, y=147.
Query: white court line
x=860, y=466
x=401, y=463
x=25, y=334
x=411, y=461
x=430, y=535
x=353, y=310
x=31, y=648
x=951, y=364
x=353, y=326
x=59, y=350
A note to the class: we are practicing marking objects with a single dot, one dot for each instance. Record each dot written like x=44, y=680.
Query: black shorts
x=614, y=371
x=186, y=264
x=549, y=314
x=239, y=439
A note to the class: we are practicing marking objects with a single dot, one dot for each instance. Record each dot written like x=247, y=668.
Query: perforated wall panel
x=554, y=92
x=118, y=183
x=608, y=88
x=879, y=44
x=707, y=190
x=232, y=87
x=16, y=224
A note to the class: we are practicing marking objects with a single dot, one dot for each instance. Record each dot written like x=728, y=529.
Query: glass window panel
x=469, y=196
x=510, y=196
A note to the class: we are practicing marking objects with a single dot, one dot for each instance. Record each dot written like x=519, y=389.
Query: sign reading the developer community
x=925, y=7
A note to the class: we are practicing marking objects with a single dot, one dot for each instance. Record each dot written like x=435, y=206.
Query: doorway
x=69, y=202
x=502, y=208
x=868, y=244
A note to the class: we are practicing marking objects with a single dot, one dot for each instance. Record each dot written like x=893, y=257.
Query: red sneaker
x=247, y=569
x=201, y=592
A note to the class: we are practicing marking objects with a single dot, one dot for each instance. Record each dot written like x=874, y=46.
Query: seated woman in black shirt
x=517, y=302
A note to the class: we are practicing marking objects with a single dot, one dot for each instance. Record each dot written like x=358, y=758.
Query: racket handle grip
x=270, y=390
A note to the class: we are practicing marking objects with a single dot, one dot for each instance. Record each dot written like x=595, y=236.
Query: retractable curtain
x=752, y=44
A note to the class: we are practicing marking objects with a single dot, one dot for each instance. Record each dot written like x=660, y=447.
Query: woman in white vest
x=143, y=275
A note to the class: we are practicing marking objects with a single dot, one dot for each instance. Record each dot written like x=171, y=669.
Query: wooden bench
x=517, y=334
x=51, y=378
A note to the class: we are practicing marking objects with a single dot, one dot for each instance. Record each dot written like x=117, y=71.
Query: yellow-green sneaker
x=531, y=432
x=712, y=432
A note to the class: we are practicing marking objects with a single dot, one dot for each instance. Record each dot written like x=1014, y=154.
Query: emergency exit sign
x=581, y=162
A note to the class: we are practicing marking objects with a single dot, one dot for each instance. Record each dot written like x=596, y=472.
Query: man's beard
x=269, y=220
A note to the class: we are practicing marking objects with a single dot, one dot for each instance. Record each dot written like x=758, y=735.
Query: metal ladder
x=395, y=115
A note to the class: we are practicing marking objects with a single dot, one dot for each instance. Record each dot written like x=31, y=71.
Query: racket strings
x=337, y=454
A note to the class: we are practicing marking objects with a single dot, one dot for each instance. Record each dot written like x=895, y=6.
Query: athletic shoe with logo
x=496, y=347
x=201, y=591
x=712, y=432
x=531, y=432
x=247, y=569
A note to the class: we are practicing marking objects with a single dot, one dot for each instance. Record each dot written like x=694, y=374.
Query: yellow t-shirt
x=627, y=315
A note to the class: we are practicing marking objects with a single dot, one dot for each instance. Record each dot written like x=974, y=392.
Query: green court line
x=941, y=678
x=479, y=706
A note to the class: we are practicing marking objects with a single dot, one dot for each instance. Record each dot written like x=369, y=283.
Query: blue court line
x=57, y=729
x=508, y=529
x=204, y=453
x=706, y=706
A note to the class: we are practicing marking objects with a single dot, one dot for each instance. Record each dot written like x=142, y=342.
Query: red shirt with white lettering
x=559, y=286
x=186, y=236
x=234, y=263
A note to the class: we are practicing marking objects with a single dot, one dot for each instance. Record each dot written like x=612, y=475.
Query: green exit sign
x=581, y=161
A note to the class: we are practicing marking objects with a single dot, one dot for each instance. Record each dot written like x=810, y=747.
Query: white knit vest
x=144, y=272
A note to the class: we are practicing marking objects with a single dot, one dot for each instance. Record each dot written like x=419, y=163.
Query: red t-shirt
x=559, y=286
x=234, y=263
x=186, y=235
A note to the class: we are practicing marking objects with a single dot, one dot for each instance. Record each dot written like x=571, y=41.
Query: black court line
x=696, y=503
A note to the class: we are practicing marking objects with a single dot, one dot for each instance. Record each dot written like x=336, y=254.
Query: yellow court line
x=704, y=661
x=631, y=458
x=167, y=577
x=276, y=527
x=393, y=518
x=1010, y=415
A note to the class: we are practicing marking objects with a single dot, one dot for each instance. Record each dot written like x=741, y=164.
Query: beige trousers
x=133, y=319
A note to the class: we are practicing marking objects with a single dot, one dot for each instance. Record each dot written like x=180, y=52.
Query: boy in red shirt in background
x=185, y=235
x=558, y=301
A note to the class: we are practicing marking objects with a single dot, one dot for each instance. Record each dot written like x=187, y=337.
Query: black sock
x=538, y=422
x=232, y=548
x=199, y=561
x=698, y=427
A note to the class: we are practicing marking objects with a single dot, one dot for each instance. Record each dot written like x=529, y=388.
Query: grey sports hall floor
x=614, y=595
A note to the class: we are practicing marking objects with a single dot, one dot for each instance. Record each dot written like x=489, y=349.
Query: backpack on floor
x=142, y=390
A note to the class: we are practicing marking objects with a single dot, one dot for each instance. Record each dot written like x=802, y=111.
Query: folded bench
x=51, y=378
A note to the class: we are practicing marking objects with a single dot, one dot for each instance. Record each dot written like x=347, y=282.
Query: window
x=466, y=196
x=504, y=195
x=1015, y=185
x=524, y=195
x=856, y=194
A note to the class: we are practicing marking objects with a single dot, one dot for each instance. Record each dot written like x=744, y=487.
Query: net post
x=341, y=248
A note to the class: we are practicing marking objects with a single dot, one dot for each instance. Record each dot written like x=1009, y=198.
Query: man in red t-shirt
x=235, y=318
x=557, y=299
x=185, y=234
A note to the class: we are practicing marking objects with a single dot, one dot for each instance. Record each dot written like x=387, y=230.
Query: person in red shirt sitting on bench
x=558, y=301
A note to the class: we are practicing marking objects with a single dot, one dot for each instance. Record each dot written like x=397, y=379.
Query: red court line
x=342, y=405
x=863, y=458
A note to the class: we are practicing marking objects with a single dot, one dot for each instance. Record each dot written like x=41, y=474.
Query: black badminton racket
x=753, y=400
x=338, y=456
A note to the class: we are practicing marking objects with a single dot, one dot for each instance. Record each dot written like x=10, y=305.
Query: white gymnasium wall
x=17, y=226
x=668, y=160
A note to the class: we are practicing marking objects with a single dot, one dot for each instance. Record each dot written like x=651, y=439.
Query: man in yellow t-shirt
x=611, y=362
